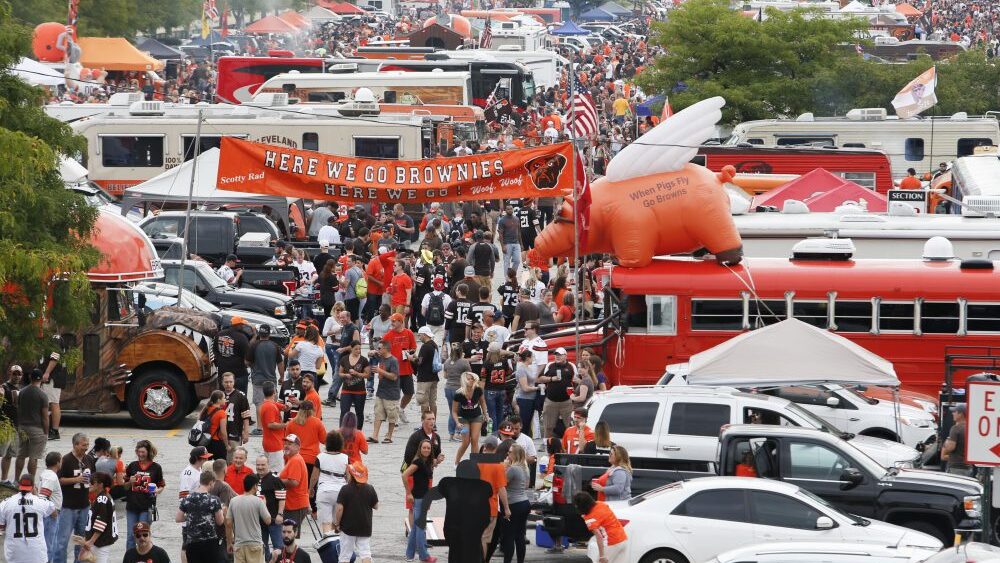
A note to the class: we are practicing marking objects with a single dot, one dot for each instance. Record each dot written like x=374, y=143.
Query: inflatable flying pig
x=653, y=201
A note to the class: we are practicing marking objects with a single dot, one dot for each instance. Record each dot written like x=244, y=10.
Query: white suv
x=684, y=422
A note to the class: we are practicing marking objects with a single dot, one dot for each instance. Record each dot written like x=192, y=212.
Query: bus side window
x=939, y=318
x=716, y=314
x=813, y=312
x=764, y=313
x=141, y=151
x=982, y=317
x=853, y=316
x=895, y=316
x=661, y=314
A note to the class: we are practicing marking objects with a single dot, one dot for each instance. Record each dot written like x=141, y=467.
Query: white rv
x=919, y=143
x=545, y=65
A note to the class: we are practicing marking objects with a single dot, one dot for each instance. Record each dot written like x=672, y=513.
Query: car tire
x=930, y=529
x=883, y=433
x=158, y=399
x=663, y=556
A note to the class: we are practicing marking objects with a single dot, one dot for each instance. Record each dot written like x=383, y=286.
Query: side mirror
x=850, y=478
x=200, y=291
x=833, y=402
x=824, y=523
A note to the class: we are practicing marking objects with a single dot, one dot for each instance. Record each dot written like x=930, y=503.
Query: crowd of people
x=971, y=23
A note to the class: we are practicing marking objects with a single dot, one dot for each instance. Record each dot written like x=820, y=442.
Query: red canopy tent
x=271, y=24
x=340, y=7
x=908, y=10
x=822, y=191
x=296, y=19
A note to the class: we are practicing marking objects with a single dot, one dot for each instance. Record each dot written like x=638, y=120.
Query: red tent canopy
x=822, y=191
x=908, y=10
x=271, y=24
x=296, y=19
x=340, y=7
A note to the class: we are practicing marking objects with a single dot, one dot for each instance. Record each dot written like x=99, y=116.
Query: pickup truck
x=201, y=279
x=938, y=504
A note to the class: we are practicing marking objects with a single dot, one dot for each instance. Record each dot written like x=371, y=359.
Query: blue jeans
x=271, y=534
x=450, y=395
x=334, y=372
x=131, y=518
x=416, y=542
x=495, y=401
x=370, y=384
x=71, y=521
x=511, y=256
x=51, y=531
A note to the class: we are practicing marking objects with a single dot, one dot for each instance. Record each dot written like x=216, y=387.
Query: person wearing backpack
x=355, y=282
x=429, y=365
x=213, y=423
x=433, y=307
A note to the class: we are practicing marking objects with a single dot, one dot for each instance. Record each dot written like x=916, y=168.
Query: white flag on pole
x=916, y=96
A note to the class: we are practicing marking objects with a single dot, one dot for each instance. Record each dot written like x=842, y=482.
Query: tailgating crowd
x=969, y=22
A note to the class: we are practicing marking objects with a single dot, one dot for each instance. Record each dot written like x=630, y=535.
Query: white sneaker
x=402, y=417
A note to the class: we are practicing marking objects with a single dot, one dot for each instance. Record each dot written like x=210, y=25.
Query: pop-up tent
x=789, y=352
x=271, y=24
x=296, y=19
x=319, y=14
x=158, y=50
x=114, y=53
x=569, y=28
x=597, y=14
x=171, y=187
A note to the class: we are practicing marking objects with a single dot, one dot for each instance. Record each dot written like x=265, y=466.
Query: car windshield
x=211, y=278
x=162, y=295
x=830, y=508
x=860, y=395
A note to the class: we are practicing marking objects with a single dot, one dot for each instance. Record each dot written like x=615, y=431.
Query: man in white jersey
x=192, y=473
x=48, y=488
x=22, y=518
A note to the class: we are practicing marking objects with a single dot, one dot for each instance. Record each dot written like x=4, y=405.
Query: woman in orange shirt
x=215, y=413
x=612, y=541
x=310, y=431
x=355, y=442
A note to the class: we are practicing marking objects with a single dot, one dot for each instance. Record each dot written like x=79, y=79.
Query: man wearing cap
x=229, y=272
x=144, y=550
x=188, y=481
x=355, y=504
x=558, y=378
x=231, y=346
x=953, y=450
x=24, y=541
x=328, y=232
x=579, y=434
x=8, y=448
x=472, y=284
x=403, y=344
x=427, y=377
x=295, y=477
x=33, y=423
x=265, y=359
x=321, y=258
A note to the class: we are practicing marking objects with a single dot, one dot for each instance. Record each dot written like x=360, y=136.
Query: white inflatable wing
x=670, y=145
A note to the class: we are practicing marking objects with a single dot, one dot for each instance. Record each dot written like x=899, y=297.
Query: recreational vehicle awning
x=789, y=352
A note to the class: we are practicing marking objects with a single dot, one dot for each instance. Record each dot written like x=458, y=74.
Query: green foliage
x=44, y=228
x=112, y=18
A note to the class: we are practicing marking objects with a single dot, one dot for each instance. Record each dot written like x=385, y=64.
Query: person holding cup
x=143, y=483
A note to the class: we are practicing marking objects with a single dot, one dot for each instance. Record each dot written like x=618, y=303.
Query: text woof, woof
x=335, y=171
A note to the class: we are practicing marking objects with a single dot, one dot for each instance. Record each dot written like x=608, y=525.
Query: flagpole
x=576, y=214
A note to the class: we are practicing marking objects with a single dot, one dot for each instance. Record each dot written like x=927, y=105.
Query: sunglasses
x=141, y=534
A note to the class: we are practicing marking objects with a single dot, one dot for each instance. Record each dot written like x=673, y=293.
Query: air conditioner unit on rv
x=146, y=108
x=269, y=99
x=125, y=99
x=981, y=206
x=836, y=249
x=867, y=114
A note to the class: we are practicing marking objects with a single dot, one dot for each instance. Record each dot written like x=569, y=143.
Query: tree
x=763, y=68
x=112, y=18
x=44, y=228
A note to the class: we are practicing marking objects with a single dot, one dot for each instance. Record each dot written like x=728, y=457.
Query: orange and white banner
x=916, y=96
x=245, y=166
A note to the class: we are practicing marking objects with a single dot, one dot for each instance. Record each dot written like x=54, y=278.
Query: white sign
x=982, y=436
x=916, y=199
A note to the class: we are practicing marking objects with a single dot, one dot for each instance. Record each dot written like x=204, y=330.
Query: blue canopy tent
x=598, y=14
x=569, y=28
x=645, y=109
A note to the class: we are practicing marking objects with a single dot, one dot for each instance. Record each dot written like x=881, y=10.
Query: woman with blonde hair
x=518, y=477
x=616, y=483
x=467, y=409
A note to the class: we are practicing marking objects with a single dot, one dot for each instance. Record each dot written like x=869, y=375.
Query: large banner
x=268, y=169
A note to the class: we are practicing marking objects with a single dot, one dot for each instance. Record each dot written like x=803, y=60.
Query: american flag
x=583, y=199
x=583, y=114
x=211, y=12
x=486, y=37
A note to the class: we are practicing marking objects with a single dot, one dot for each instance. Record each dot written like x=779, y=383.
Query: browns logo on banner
x=268, y=169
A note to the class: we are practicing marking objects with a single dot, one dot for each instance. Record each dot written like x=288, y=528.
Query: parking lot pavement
x=383, y=461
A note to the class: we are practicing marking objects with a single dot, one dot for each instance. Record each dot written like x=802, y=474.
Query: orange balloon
x=639, y=218
x=43, y=43
x=86, y=74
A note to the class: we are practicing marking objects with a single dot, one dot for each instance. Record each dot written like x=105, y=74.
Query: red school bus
x=907, y=311
x=868, y=168
x=241, y=77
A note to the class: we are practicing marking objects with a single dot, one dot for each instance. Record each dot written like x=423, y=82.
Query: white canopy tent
x=856, y=6
x=172, y=187
x=37, y=74
x=786, y=353
x=319, y=14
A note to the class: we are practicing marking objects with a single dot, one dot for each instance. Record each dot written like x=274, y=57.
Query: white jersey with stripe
x=23, y=519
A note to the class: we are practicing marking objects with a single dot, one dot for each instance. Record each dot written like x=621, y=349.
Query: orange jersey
x=602, y=522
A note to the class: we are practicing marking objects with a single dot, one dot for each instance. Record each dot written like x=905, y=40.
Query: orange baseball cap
x=358, y=471
x=396, y=317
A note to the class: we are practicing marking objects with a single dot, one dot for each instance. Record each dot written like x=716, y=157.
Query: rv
x=546, y=66
x=395, y=87
x=910, y=143
x=125, y=150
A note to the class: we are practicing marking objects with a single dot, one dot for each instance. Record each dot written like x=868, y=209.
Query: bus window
x=661, y=314
x=895, y=316
x=716, y=314
x=763, y=313
x=207, y=142
x=376, y=147
x=967, y=147
x=939, y=318
x=982, y=317
x=814, y=312
x=854, y=145
x=755, y=141
x=816, y=141
x=144, y=151
x=914, y=148
x=326, y=97
x=310, y=141
x=853, y=316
